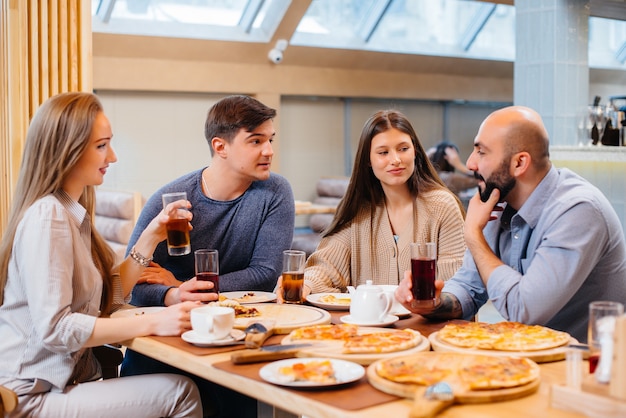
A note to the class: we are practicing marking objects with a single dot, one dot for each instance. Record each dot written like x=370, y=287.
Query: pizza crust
x=502, y=336
x=355, y=340
x=472, y=372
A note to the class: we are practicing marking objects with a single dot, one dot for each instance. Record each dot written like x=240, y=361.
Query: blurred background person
x=452, y=171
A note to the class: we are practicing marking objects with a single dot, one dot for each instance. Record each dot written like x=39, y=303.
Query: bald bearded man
x=541, y=242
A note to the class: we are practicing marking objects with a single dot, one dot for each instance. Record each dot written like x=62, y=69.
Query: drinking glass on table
x=208, y=268
x=178, y=226
x=423, y=270
x=293, y=275
x=598, y=312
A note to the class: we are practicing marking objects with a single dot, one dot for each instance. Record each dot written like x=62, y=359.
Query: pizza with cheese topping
x=503, y=336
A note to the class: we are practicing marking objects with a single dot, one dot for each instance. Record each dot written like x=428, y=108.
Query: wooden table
x=301, y=403
x=308, y=208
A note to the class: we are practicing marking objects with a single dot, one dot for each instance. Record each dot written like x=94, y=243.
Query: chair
x=8, y=400
x=116, y=214
x=330, y=190
x=110, y=358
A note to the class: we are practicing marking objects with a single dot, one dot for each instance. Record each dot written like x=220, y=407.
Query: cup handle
x=389, y=300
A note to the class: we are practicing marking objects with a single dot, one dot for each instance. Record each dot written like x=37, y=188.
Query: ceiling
x=379, y=33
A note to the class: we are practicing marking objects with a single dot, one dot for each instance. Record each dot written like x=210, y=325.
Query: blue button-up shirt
x=563, y=249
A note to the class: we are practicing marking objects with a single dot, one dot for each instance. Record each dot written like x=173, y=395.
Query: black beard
x=500, y=180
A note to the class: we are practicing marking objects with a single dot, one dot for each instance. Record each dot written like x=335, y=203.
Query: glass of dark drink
x=208, y=268
x=177, y=227
x=293, y=275
x=423, y=270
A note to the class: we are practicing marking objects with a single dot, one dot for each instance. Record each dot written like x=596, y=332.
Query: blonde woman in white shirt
x=58, y=281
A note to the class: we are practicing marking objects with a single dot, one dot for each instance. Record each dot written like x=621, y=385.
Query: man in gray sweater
x=240, y=209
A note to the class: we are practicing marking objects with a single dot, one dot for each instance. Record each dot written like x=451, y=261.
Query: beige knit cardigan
x=366, y=249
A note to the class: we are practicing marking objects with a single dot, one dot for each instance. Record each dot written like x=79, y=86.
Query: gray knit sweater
x=250, y=233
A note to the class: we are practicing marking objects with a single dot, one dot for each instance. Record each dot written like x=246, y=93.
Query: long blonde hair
x=57, y=137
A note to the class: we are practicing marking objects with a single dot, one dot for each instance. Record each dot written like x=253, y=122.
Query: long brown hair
x=364, y=189
x=57, y=137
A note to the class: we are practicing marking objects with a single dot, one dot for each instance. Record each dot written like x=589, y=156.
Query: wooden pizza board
x=334, y=349
x=538, y=356
x=285, y=317
x=462, y=394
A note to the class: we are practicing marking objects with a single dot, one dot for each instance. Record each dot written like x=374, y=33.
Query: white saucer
x=389, y=319
x=193, y=338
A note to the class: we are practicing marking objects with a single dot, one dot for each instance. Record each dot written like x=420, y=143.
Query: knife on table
x=267, y=353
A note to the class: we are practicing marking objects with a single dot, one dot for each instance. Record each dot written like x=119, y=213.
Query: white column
x=551, y=71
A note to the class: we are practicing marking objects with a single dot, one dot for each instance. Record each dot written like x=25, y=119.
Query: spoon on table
x=256, y=334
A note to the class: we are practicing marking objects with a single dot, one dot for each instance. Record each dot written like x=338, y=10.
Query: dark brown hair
x=232, y=113
x=364, y=189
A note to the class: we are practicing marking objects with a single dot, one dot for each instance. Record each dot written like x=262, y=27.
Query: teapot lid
x=369, y=286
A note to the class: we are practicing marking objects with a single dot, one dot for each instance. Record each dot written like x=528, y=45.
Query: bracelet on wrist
x=139, y=258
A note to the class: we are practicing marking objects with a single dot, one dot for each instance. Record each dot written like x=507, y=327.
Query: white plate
x=389, y=319
x=285, y=318
x=193, y=338
x=251, y=296
x=397, y=308
x=122, y=313
x=345, y=372
x=400, y=312
x=314, y=299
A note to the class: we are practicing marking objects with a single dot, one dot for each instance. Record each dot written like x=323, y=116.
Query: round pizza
x=503, y=336
x=355, y=340
x=473, y=372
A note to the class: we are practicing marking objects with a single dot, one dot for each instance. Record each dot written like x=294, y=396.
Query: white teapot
x=370, y=304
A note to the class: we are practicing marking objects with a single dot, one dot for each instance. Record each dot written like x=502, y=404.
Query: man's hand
x=155, y=274
x=190, y=290
x=404, y=295
x=445, y=306
x=479, y=213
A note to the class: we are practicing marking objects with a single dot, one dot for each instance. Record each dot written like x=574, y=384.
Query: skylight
x=452, y=28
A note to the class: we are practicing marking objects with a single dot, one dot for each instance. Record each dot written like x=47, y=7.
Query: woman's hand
x=175, y=319
x=306, y=291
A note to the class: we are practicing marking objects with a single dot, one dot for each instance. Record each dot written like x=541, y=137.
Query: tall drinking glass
x=178, y=226
x=208, y=268
x=423, y=270
x=599, y=310
x=293, y=275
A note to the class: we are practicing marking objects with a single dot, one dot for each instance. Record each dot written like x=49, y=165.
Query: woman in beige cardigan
x=394, y=198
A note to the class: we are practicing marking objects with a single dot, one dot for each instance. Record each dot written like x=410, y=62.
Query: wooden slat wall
x=45, y=49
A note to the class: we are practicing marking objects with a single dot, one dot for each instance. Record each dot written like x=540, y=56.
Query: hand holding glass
x=178, y=226
x=423, y=269
x=208, y=268
x=293, y=275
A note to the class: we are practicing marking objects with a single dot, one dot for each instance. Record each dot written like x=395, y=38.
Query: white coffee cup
x=370, y=304
x=396, y=307
x=212, y=322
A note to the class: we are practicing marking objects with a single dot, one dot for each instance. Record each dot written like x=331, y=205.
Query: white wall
x=157, y=137
x=160, y=136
